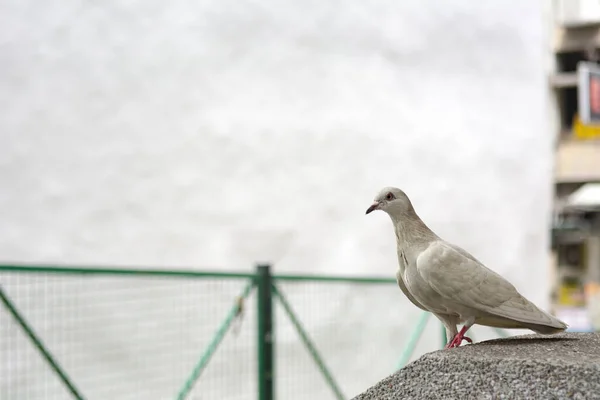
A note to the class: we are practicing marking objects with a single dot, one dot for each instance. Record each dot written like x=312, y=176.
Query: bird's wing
x=402, y=286
x=458, y=277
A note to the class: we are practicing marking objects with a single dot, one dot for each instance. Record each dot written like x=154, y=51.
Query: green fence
x=100, y=333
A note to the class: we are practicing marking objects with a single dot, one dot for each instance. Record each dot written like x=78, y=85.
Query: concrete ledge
x=521, y=367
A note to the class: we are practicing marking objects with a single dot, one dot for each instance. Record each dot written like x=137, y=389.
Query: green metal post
x=39, y=345
x=413, y=340
x=444, y=336
x=265, y=333
x=501, y=332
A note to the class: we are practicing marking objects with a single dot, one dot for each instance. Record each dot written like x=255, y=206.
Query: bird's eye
x=389, y=196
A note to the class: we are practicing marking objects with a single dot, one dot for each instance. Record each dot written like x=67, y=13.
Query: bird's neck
x=410, y=229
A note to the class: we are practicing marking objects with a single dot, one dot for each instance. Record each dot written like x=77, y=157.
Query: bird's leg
x=457, y=340
x=451, y=332
x=460, y=336
x=453, y=340
x=450, y=325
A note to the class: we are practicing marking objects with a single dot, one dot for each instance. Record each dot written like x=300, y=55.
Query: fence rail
x=40, y=292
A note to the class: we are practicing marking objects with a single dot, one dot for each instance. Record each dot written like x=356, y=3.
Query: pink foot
x=457, y=340
x=460, y=336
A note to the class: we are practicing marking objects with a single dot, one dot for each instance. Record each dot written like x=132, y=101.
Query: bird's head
x=391, y=200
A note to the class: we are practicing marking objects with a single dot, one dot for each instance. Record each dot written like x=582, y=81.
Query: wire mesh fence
x=124, y=337
x=130, y=334
x=350, y=347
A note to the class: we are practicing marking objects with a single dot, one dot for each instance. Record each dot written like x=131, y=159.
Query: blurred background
x=153, y=153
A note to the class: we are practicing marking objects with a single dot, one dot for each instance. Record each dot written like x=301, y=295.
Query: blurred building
x=576, y=230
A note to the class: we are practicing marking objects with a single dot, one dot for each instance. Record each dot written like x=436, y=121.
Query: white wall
x=215, y=134
x=576, y=11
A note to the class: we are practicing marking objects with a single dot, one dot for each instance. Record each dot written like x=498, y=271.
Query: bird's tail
x=546, y=329
x=553, y=326
x=524, y=314
x=557, y=326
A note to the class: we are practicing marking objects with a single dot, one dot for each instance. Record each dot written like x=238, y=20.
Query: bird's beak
x=373, y=207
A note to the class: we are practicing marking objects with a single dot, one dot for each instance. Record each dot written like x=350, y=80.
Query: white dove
x=447, y=281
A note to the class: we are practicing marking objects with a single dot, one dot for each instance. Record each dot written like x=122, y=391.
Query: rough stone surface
x=565, y=366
